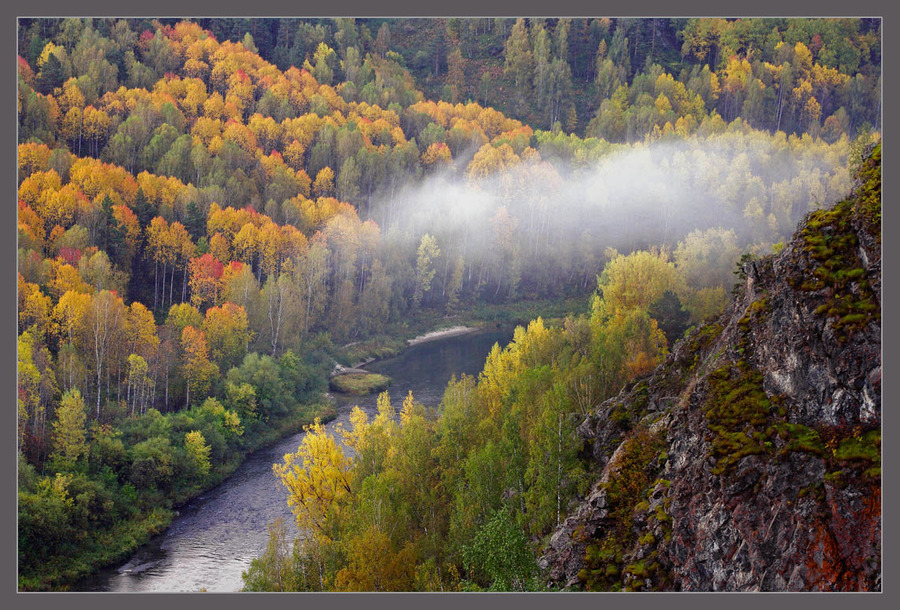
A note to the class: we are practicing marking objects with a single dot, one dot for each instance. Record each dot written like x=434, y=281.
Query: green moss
x=619, y=416
x=868, y=204
x=800, y=438
x=626, y=493
x=872, y=473
x=737, y=406
x=865, y=447
x=647, y=538
x=700, y=341
x=638, y=570
x=627, y=414
x=760, y=306
x=641, y=398
x=836, y=479
x=374, y=348
x=829, y=239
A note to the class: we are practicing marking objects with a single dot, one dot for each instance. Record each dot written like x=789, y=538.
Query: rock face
x=750, y=460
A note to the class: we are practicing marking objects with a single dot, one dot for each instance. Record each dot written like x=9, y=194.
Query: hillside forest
x=210, y=210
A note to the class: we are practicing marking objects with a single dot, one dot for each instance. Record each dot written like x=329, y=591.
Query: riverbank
x=427, y=327
x=441, y=334
x=216, y=537
x=428, y=324
x=104, y=547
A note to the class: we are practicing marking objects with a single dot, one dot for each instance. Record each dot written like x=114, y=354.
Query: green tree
x=499, y=557
x=519, y=57
x=274, y=569
x=427, y=253
x=671, y=317
x=152, y=463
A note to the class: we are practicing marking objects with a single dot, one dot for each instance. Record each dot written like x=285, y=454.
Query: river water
x=217, y=534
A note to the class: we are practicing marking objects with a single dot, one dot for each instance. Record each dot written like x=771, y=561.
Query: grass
x=360, y=384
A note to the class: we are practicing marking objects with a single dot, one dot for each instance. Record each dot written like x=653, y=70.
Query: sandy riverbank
x=441, y=334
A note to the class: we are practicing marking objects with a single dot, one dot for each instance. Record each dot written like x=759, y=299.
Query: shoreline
x=441, y=334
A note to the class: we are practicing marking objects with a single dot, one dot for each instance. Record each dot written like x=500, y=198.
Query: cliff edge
x=751, y=459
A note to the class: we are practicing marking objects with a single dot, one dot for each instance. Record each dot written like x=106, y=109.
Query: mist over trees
x=207, y=208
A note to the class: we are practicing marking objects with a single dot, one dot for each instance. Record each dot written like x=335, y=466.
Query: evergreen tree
x=671, y=317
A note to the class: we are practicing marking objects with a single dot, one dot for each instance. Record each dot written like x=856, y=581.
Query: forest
x=209, y=210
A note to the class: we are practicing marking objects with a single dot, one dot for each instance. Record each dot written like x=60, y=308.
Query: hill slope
x=750, y=460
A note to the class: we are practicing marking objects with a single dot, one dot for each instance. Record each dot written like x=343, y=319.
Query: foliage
x=200, y=219
x=499, y=556
x=69, y=431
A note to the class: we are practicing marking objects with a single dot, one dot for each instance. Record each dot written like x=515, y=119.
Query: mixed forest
x=208, y=210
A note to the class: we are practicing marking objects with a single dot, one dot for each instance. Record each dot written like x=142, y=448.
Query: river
x=217, y=534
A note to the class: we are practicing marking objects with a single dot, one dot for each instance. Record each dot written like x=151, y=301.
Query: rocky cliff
x=750, y=460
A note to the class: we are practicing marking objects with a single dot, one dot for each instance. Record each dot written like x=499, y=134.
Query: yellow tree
x=240, y=286
x=69, y=432
x=280, y=302
x=161, y=248
x=219, y=248
x=34, y=309
x=228, y=334
x=269, y=248
x=428, y=252
x=68, y=313
x=29, y=380
x=317, y=477
x=324, y=184
x=626, y=341
x=437, y=156
x=371, y=442
x=374, y=565
x=65, y=278
x=198, y=451
x=184, y=249
x=294, y=155
x=198, y=370
x=137, y=381
x=245, y=244
x=140, y=330
x=638, y=279
x=129, y=223
x=32, y=157
x=96, y=128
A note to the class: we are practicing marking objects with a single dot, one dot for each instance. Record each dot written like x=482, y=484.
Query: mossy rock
x=360, y=384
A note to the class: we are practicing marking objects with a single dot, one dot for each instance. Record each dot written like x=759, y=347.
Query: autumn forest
x=213, y=212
